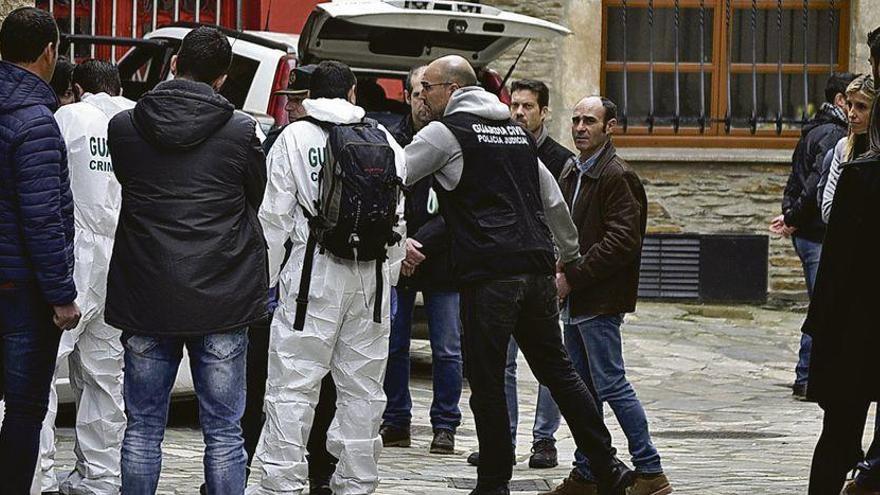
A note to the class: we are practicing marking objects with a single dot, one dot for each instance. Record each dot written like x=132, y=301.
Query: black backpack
x=358, y=191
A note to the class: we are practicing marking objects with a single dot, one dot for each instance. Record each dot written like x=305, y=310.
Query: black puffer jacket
x=799, y=204
x=189, y=257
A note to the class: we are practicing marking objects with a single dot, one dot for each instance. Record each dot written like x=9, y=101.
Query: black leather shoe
x=544, y=455
x=495, y=490
x=617, y=479
x=395, y=437
x=444, y=441
x=319, y=487
x=474, y=459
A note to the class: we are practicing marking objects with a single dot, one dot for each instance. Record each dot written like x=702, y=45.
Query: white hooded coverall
x=93, y=350
x=340, y=336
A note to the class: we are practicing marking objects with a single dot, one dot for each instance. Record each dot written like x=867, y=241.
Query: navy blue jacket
x=36, y=205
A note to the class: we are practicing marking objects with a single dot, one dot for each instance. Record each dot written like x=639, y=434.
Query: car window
x=143, y=68
x=238, y=83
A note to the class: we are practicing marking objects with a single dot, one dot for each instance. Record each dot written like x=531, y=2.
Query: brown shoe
x=650, y=484
x=852, y=488
x=574, y=485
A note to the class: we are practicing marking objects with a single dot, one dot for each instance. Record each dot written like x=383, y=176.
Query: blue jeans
x=444, y=327
x=217, y=362
x=28, y=346
x=809, y=253
x=547, y=415
x=596, y=346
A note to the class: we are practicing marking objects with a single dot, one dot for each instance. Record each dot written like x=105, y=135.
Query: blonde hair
x=864, y=85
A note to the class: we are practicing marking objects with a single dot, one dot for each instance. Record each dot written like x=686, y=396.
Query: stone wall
x=725, y=197
x=7, y=6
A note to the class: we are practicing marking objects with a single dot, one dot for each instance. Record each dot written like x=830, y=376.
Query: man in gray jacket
x=501, y=205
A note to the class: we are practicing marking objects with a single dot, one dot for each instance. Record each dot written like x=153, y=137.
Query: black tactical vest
x=495, y=214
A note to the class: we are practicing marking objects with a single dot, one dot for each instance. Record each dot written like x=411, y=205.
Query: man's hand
x=67, y=316
x=413, y=259
x=778, y=227
x=563, y=289
x=413, y=255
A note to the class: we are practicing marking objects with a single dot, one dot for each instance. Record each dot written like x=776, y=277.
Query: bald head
x=441, y=79
x=455, y=69
x=592, y=124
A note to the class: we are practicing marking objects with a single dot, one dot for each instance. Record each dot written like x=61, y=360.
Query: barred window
x=709, y=72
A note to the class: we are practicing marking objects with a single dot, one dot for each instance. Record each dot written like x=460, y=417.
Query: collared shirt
x=583, y=167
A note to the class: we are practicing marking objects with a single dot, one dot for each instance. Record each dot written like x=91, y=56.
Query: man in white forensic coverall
x=92, y=350
x=340, y=336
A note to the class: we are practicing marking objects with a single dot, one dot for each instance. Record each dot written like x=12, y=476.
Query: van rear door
x=396, y=35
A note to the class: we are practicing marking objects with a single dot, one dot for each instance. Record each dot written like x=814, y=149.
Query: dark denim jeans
x=547, y=417
x=444, y=329
x=596, y=349
x=28, y=346
x=526, y=307
x=809, y=253
x=217, y=362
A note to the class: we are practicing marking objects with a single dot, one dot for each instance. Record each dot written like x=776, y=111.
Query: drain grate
x=715, y=434
x=536, y=485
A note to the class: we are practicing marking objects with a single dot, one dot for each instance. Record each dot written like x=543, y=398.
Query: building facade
x=728, y=176
x=712, y=93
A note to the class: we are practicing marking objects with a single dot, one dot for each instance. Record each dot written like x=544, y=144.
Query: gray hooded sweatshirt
x=434, y=150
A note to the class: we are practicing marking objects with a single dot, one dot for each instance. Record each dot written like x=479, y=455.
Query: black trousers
x=321, y=463
x=526, y=307
x=839, y=449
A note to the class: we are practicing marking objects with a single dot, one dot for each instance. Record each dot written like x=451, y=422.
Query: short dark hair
x=97, y=76
x=331, y=79
x=837, y=83
x=61, y=78
x=537, y=87
x=874, y=43
x=610, y=109
x=204, y=55
x=25, y=33
x=407, y=84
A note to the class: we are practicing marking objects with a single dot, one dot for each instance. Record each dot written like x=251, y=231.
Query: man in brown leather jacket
x=609, y=208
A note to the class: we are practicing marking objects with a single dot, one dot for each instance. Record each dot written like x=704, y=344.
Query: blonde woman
x=860, y=95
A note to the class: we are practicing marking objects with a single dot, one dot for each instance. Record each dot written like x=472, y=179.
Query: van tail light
x=492, y=82
x=277, y=103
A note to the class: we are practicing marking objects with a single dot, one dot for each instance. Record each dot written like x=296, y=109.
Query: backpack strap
x=380, y=288
x=305, y=282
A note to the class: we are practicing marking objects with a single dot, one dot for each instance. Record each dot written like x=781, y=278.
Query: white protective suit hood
x=333, y=110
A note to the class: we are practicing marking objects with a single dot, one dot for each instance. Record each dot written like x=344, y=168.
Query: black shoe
x=799, y=391
x=319, y=487
x=395, y=437
x=543, y=455
x=496, y=490
x=617, y=480
x=444, y=441
x=474, y=459
x=203, y=490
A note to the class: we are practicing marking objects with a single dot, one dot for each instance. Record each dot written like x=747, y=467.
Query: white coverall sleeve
x=565, y=234
x=276, y=211
x=397, y=252
x=833, y=177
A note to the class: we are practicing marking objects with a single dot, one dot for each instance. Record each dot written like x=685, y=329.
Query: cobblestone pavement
x=714, y=381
